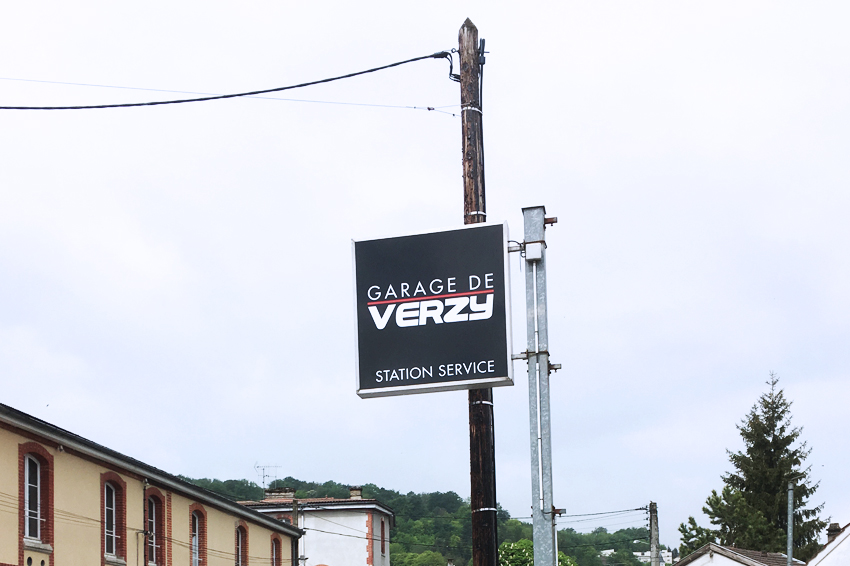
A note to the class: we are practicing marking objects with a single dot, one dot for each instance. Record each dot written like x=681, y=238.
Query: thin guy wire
x=428, y=108
x=438, y=55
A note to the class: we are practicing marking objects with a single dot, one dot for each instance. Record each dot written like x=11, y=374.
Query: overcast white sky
x=175, y=282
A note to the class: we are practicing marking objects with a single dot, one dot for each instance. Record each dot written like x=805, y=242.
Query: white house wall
x=836, y=553
x=345, y=540
x=716, y=560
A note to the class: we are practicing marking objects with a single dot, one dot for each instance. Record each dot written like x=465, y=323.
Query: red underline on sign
x=411, y=299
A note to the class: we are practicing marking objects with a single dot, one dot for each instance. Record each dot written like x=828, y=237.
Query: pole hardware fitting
x=534, y=250
x=482, y=403
x=476, y=213
x=558, y=511
x=551, y=220
x=465, y=108
x=484, y=509
x=554, y=367
x=522, y=356
x=516, y=248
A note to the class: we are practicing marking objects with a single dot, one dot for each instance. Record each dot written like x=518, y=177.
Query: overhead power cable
x=606, y=512
x=438, y=55
x=602, y=543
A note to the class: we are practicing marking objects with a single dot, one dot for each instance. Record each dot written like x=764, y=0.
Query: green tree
x=429, y=558
x=694, y=536
x=622, y=558
x=237, y=490
x=521, y=553
x=751, y=511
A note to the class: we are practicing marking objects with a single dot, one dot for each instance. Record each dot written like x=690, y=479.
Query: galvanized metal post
x=542, y=511
x=790, y=522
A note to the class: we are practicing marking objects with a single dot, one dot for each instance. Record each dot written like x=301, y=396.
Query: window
x=155, y=528
x=32, y=505
x=197, y=535
x=383, y=539
x=241, y=546
x=113, y=514
x=152, y=509
x=109, y=519
x=35, y=496
x=196, y=539
x=276, y=557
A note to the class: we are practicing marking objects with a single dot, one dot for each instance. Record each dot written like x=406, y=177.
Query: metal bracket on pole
x=537, y=354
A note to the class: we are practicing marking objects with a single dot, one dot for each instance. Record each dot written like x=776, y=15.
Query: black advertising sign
x=433, y=311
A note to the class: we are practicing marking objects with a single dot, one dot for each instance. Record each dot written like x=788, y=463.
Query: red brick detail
x=242, y=527
x=370, y=541
x=45, y=458
x=197, y=508
x=277, y=552
x=120, y=487
x=168, y=528
x=159, y=498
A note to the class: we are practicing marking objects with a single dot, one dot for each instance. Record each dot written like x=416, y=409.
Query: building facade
x=340, y=532
x=67, y=501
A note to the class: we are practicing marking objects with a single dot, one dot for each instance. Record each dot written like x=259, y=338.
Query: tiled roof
x=766, y=558
x=316, y=503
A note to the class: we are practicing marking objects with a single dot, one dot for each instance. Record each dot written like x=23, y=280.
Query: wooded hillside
x=434, y=527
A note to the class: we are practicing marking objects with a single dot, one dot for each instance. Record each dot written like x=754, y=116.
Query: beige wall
x=8, y=498
x=77, y=517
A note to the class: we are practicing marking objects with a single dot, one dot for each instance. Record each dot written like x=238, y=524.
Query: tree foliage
x=752, y=509
x=237, y=490
x=585, y=547
x=521, y=553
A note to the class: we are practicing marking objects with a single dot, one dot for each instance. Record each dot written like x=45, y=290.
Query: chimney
x=280, y=493
x=355, y=492
x=832, y=531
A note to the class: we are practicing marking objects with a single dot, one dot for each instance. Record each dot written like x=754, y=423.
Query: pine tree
x=752, y=510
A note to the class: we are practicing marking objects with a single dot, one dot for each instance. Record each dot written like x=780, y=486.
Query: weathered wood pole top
x=473, y=144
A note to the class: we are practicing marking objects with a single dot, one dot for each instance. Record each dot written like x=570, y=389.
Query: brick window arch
x=113, y=514
x=241, y=549
x=35, y=495
x=277, y=551
x=197, y=535
x=154, y=526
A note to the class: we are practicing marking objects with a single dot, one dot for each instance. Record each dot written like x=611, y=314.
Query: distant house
x=837, y=549
x=665, y=555
x=716, y=555
x=342, y=532
x=65, y=500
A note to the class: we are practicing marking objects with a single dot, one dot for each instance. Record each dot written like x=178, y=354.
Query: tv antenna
x=261, y=471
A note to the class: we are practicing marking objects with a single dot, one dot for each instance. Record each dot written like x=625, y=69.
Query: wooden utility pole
x=654, y=556
x=482, y=454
